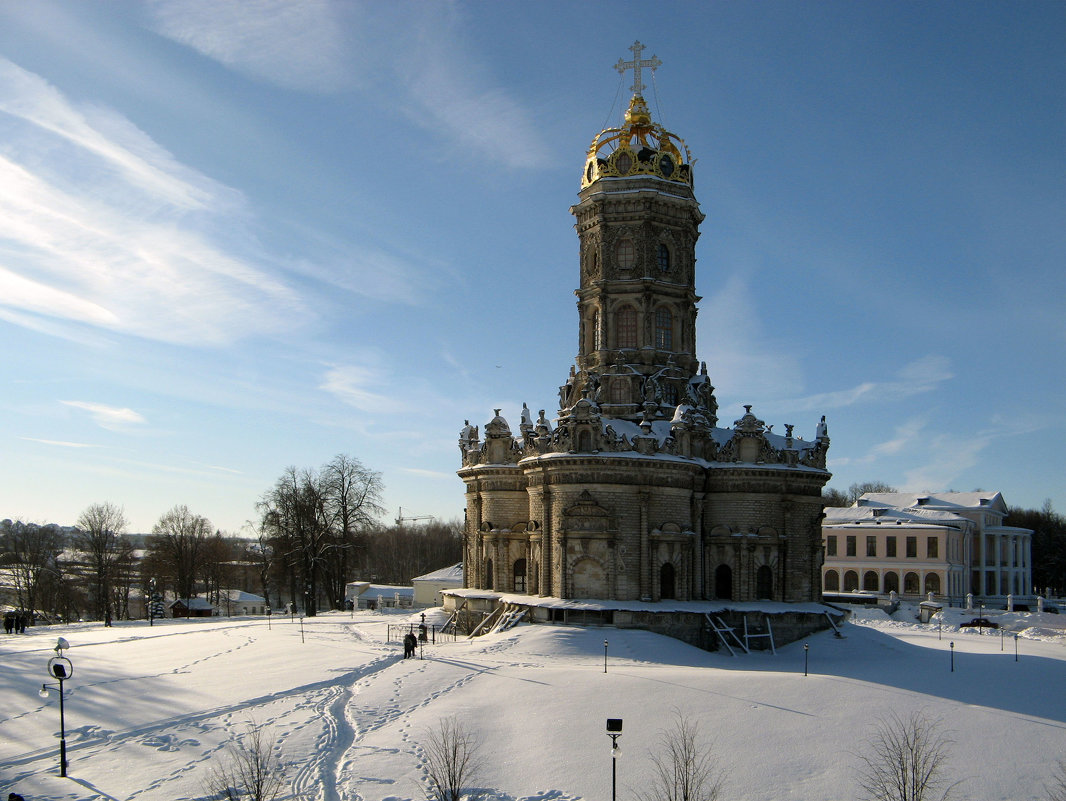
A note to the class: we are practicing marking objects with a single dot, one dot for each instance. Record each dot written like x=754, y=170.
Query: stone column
x=645, y=549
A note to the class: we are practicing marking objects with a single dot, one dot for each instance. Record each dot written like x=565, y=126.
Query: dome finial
x=636, y=64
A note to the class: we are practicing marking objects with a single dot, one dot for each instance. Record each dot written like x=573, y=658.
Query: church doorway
x=589, y=579
x=723, y=583
x=667, y=582
x=519, y=573
x=764, y=583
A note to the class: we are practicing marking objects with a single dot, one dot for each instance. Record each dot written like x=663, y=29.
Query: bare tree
x=32, y=553
x=452, y=759
x=100, y=528
x=685, y=767
x=253, y=771
x=906, y=760
x=1056, y=791
x=179, y=537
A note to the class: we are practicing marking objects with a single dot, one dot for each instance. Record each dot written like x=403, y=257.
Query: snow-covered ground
x=149, y=710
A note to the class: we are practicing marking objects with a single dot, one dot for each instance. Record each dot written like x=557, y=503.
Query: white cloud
x=58, y=443
x=410, y=58
x=922, y=375
x=360, y=386
x=101, y=226
x=113, y=418
x=297, y=44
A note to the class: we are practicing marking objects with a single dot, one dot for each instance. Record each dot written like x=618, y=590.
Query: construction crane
x=400, y=519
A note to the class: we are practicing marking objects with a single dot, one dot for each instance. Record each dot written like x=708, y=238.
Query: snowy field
x=149, y=710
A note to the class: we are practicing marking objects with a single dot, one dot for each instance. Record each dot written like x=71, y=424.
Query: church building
x=632, y=490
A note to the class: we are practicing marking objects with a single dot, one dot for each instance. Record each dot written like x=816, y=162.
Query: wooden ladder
x=769, y=633
x=721, y=629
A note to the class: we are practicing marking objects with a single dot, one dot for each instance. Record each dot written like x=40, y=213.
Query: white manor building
x=950, y=544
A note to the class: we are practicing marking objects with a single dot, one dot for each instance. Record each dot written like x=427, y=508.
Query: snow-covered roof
x=941, y=500
x=867, y=515
x=453, y=573
x=240, y=596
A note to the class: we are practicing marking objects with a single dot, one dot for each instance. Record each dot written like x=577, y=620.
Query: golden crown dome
x=640, y=147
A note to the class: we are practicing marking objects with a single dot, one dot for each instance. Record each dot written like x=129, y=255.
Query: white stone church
x=631, y=490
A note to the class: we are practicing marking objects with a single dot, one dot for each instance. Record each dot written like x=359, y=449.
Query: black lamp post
x=605, y=656
x=614, y=731
x=60, y=668
x=806, y=648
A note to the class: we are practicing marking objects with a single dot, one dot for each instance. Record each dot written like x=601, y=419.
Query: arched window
x=662, y=254
x=764, y=582
x=488, y=582
x=910, y=584
x=832, y=581
x=520, y=576
x=664, y=329
x=669, y=394
x=891, y=582
x=625, y=254
x=597, y=331
x=723, y=583
x=667, y=582
x=625, y=324
x=851, y=581
x=620, y=390
x=932, y=583
x=869, y=581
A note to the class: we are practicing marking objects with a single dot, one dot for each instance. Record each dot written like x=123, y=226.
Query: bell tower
x=637, y=223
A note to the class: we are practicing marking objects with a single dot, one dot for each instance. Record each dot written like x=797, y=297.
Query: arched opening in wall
x=670, y=394
x=851, y=581
x=620, y=390
x=534, y=588
x=662, y=256
x=667, y=582
x=489, y=578
x=584, y=441
x=625, y=327
x=664, y=329
x=589, y=579
x=764, y=583
x=932, y=583
x=910, y=584
x=869, y=581
x=831, y=582
x=891, y=582
x=723, y=583
x=519, y=576
x=597, y=331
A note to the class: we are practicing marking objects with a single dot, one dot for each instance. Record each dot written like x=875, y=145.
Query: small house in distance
x=192, y=607
x=428, y=587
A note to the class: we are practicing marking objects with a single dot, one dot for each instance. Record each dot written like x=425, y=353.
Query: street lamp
x=59, y=668
x=614, y=731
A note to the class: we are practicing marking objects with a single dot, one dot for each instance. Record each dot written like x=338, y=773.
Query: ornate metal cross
x=636, y=64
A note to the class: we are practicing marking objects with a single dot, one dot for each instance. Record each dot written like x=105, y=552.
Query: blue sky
x=239, y=237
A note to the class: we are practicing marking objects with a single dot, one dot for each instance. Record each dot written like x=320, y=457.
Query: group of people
x=410, y=642
x=14, y=622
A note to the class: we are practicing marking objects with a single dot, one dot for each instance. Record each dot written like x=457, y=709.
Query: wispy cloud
x=100, y=226
x=113, y=418
x=59, y=443
x=360, y=385
x=410, y=57
x=922, y=375
x=297, y=44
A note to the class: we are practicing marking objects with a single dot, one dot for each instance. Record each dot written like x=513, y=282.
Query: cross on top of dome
x=636, y=64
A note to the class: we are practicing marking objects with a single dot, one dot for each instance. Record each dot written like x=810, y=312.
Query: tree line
x=316, y=530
